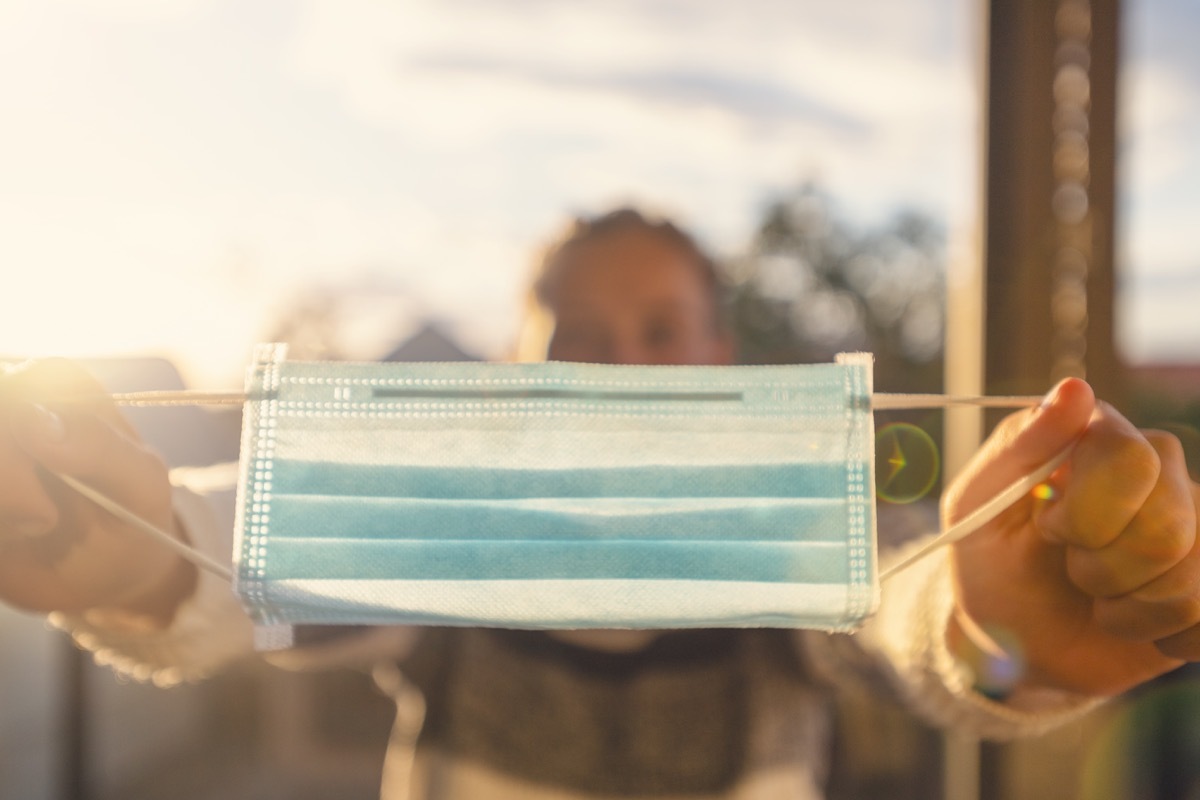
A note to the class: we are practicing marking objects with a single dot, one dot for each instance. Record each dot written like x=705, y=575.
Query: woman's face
x=632, y=297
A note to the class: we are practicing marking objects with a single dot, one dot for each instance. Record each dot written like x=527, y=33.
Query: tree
x=811, y=286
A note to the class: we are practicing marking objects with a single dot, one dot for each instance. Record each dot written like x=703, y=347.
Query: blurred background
x=989, y=195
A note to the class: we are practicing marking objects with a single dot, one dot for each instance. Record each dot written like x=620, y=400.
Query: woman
x=1100, y=586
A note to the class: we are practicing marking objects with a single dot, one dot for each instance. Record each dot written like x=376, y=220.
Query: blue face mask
x=557, y=495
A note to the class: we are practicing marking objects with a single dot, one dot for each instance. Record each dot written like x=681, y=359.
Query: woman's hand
x=58, y=551
x=1096, y=579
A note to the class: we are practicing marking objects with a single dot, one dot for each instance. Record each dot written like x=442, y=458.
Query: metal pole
x=73, y=722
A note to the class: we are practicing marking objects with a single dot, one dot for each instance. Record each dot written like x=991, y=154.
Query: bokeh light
x=1150, y=744
x=907, y=463
x=998, y=664
x=1044, y=491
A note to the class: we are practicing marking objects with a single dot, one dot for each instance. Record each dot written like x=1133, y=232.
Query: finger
x=56, y=419
x=1021, y=443
x=64, y=418
x=1147, y=555
x=80, y=443
x=1167, y=606
x=59, y=382
x=26, y=510
x=1113, y=470
x=60, y=420
x=86, y=557
x=1185, y=645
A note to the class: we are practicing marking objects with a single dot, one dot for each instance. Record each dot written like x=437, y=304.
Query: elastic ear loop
x=984, y=514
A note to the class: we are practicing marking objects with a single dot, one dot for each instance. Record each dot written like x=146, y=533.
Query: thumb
x=61, y=417
x=61, y=421
x=1021, y=443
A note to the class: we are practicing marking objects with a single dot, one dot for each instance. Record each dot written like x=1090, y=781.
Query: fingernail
x=1050, y=519
x=46, y=424
x=1051, y=396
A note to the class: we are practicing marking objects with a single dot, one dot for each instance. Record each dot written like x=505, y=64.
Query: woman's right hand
x=59, y=551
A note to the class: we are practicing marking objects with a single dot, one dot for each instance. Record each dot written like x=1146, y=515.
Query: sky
x=1158, y=169
x=175, y=176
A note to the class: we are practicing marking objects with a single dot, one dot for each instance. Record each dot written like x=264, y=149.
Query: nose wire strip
x=881, y=401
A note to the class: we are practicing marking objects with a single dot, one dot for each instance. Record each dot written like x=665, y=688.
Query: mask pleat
x=372, y=559
x=737, y=519
x=822, y=479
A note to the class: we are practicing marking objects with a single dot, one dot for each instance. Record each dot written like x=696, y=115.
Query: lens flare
x=906, y=463
x=998, y=664
x=1148, y=744
x=1044, y=491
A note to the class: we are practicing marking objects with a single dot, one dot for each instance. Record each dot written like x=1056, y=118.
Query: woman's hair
x=582, y=231
x=555, y=259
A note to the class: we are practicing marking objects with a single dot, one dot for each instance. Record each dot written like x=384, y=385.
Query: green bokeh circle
x=907, y=463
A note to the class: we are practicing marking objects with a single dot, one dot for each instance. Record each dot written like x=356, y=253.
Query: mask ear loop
x=984, y=514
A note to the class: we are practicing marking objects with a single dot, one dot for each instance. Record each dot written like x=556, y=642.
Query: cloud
x=438, y=142
x=1160, y=118
x=1156, y=318
x=1159, y=166
x=146, y=10
x=382, y=57
x=679, y=89
x=752, y=98
x=229, y=154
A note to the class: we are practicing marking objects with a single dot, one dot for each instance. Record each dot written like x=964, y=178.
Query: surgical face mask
x=557, y=495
